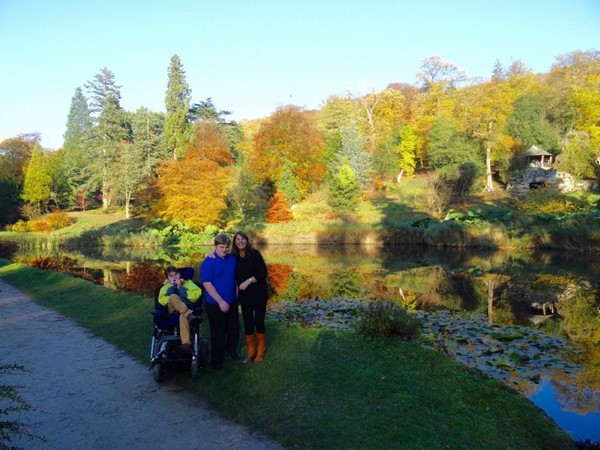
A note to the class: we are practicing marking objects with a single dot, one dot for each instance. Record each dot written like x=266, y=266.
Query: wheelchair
x=165, y=350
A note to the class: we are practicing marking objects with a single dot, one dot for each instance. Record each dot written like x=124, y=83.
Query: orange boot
x=261, y=339
x=250, y=348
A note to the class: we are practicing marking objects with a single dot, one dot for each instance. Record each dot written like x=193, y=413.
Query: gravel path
x=87, y=394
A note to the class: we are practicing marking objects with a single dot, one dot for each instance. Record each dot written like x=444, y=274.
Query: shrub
x=58, y=220
x=387, y=320
x=20, y=227
x=13, y=402
x=57, y=263
x=39, y=225
x=550, y=200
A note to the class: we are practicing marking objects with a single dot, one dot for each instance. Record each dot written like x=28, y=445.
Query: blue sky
x=253, y=56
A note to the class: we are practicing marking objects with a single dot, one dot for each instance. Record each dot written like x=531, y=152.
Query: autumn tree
x=384, y=113
x=177, y=103
x=289, y=137
x=578, y=155
x=15, y=154
x=485, y=113
x=193, y=189
x=586, y=100
x=279, y=209
x=436, y=72
x=569, y=73
x=407, y=151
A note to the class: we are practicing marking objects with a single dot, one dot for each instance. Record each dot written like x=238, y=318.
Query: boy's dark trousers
x=224, y=331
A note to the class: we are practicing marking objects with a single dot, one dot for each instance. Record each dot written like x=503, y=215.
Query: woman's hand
x=243, y=286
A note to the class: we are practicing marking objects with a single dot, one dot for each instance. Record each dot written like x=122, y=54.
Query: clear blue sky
x=252, y=56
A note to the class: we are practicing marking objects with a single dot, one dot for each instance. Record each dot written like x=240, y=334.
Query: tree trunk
x=488, y=160
x=490, y=296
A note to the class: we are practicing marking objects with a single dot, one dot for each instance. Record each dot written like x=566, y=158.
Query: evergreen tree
x=36, y=188
x=79, y=122
x=76, y=146
x=288, y=183
x=111, y=129
x=344, y=191
x=177, y=103
x=527, y=124
x=354, y=152
x=148, y=138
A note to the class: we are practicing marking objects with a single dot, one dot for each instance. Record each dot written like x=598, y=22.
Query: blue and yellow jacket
x=189, y=292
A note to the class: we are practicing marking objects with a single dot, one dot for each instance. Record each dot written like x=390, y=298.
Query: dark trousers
x=224, y=331
x=254, y=318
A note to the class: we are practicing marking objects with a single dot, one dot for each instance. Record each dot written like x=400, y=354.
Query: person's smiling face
x=241, y=243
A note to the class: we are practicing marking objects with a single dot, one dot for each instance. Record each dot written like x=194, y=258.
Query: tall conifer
x=177, y=103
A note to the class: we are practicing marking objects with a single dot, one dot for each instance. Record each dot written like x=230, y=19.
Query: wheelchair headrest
x=187, y=273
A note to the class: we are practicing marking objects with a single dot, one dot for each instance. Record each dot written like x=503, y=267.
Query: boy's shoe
x=185, y=349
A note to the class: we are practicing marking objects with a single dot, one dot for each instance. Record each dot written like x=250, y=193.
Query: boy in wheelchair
x=178, y=305
x=180, y=295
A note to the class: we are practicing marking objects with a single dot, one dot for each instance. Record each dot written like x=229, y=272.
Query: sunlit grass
x=322, y=388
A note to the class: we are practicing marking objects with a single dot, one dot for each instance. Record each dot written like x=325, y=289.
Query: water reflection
x=555, y=293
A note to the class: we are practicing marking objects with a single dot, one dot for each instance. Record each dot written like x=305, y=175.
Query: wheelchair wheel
x=196, y=368
x=159, y=372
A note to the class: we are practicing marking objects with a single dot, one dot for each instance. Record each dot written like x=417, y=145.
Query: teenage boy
x=218, y=280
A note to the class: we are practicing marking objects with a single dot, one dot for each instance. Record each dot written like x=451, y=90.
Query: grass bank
x=320, y=388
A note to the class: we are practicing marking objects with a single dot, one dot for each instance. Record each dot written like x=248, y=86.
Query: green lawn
x=321, y=388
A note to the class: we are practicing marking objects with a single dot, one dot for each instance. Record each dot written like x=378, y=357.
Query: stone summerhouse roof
x=536, y=151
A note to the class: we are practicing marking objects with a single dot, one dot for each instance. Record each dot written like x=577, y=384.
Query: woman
x=251, y=278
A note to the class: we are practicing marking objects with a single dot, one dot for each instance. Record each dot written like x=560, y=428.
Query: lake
x=531, y=320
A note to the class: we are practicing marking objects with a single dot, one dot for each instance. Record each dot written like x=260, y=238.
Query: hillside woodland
x=462, y=138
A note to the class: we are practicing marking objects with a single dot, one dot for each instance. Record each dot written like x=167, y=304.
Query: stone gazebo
x=538, y=158
x=539, y=172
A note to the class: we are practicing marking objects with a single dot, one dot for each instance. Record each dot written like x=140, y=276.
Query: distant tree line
x=194, y=165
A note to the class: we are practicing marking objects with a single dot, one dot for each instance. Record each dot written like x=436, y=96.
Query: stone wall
x=518, y=186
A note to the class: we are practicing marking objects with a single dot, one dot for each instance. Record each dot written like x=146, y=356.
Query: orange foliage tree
x=289, y=138
x=193, y=189
x=279, y=209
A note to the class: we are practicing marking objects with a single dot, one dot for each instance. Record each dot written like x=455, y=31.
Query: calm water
x=551, y=297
